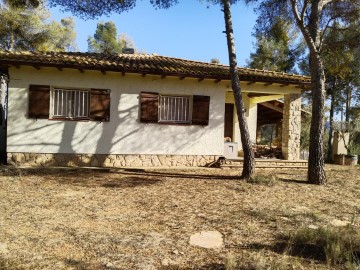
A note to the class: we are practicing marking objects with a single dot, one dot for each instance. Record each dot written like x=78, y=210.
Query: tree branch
x=301, y=23
x=303, y=10
x=325, y=28
x=322, y=4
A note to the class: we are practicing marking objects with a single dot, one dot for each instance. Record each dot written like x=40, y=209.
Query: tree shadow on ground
x=281, y=246
x=295, y=181
x=214, y=176
x=101, y=181
x=77, y=172
x=84, y=177
x=210, y=266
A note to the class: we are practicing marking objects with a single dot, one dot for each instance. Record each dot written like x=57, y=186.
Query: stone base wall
x=111, y=160
x=291, y=127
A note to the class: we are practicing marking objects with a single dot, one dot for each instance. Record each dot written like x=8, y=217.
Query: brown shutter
x=100, y=105
x=39, y=101
x=149, y=106
x=200, y=115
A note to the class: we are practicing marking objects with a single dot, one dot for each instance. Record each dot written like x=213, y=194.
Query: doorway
x=229, y=121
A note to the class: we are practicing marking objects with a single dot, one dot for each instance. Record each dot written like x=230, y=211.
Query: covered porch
x=266, y=104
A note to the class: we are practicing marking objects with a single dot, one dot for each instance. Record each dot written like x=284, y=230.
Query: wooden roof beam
x=255, y=100
x=271, y=106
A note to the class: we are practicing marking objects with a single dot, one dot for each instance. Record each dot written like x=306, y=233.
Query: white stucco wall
x=124, y=134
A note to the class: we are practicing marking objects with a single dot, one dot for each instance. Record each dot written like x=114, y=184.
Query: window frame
x=39, y=103
x=71, y=118
x=199, y=109
x=177, y=122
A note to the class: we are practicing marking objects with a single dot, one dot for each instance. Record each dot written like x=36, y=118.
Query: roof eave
x=243, y=77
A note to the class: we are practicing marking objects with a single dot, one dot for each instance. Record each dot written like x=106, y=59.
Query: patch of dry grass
x=142, y=219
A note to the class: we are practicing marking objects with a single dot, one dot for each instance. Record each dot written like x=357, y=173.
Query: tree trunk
x=249, y=162
x=316, y=172
x=311, y=32
x=331, y=121
x=11, y=42
x=347, y=108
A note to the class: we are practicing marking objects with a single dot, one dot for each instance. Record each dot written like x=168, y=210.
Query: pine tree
x=106, y=40
x=27, y=29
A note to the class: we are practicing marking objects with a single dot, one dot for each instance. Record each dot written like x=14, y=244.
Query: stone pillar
x=291, y=127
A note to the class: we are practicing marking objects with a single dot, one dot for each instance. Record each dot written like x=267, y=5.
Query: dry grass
x=142, y=219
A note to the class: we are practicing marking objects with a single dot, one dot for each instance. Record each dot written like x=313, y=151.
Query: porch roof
x=146, y=64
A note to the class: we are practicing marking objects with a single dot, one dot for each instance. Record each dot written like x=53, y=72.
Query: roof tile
x=145, y=63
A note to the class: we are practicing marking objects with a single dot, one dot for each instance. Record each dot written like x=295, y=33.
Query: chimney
x=128, y=50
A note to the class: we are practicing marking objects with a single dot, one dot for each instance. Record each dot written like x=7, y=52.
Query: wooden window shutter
x=39, y=101
x=99, y=105
x=200, y=114
x=149, y=107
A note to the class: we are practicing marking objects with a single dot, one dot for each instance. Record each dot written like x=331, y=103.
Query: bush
x=269, y=180
x=337, y=245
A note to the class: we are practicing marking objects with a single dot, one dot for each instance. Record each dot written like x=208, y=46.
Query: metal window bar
x=174, y=109
x=70, y=103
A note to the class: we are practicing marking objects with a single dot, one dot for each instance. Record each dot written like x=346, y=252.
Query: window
x=155, y=108
x=174, y=109
x=69, y=103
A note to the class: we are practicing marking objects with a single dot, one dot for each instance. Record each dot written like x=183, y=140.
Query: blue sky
x=189, y=30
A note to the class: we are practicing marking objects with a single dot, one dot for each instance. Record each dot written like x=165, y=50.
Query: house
x=86, y=109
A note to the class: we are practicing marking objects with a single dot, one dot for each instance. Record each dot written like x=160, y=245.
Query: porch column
x=291, y=127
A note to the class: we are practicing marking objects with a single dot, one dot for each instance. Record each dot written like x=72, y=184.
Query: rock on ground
x=207, y=239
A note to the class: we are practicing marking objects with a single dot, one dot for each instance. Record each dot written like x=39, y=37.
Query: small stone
x=175, y=251
x=339, y=223
x=285, y=218
x=109, y=265
x=166, y=262
x=207, y=239
x=3, y=248
x=313, y=227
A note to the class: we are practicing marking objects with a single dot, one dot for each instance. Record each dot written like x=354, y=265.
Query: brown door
x=229, y=120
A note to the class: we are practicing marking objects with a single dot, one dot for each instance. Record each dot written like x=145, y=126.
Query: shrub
x=269, y=180
x=337, y=245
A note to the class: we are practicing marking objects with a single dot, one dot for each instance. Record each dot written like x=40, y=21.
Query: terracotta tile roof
x=145, y=64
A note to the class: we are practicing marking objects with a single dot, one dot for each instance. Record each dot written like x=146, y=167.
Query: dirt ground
x=68, y=218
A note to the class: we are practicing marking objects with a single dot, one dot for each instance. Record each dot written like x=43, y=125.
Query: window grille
x=70, y=103
x=174, y=109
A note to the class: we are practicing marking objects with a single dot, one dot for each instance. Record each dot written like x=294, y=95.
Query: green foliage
x=106, y=39
x=269, y=180
x=267, y=134
x=27, y=29
x=341, y=246
x=342, y=64
x=23, y=3
x=278, y=48
x=354, y=143
x=90, y=9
